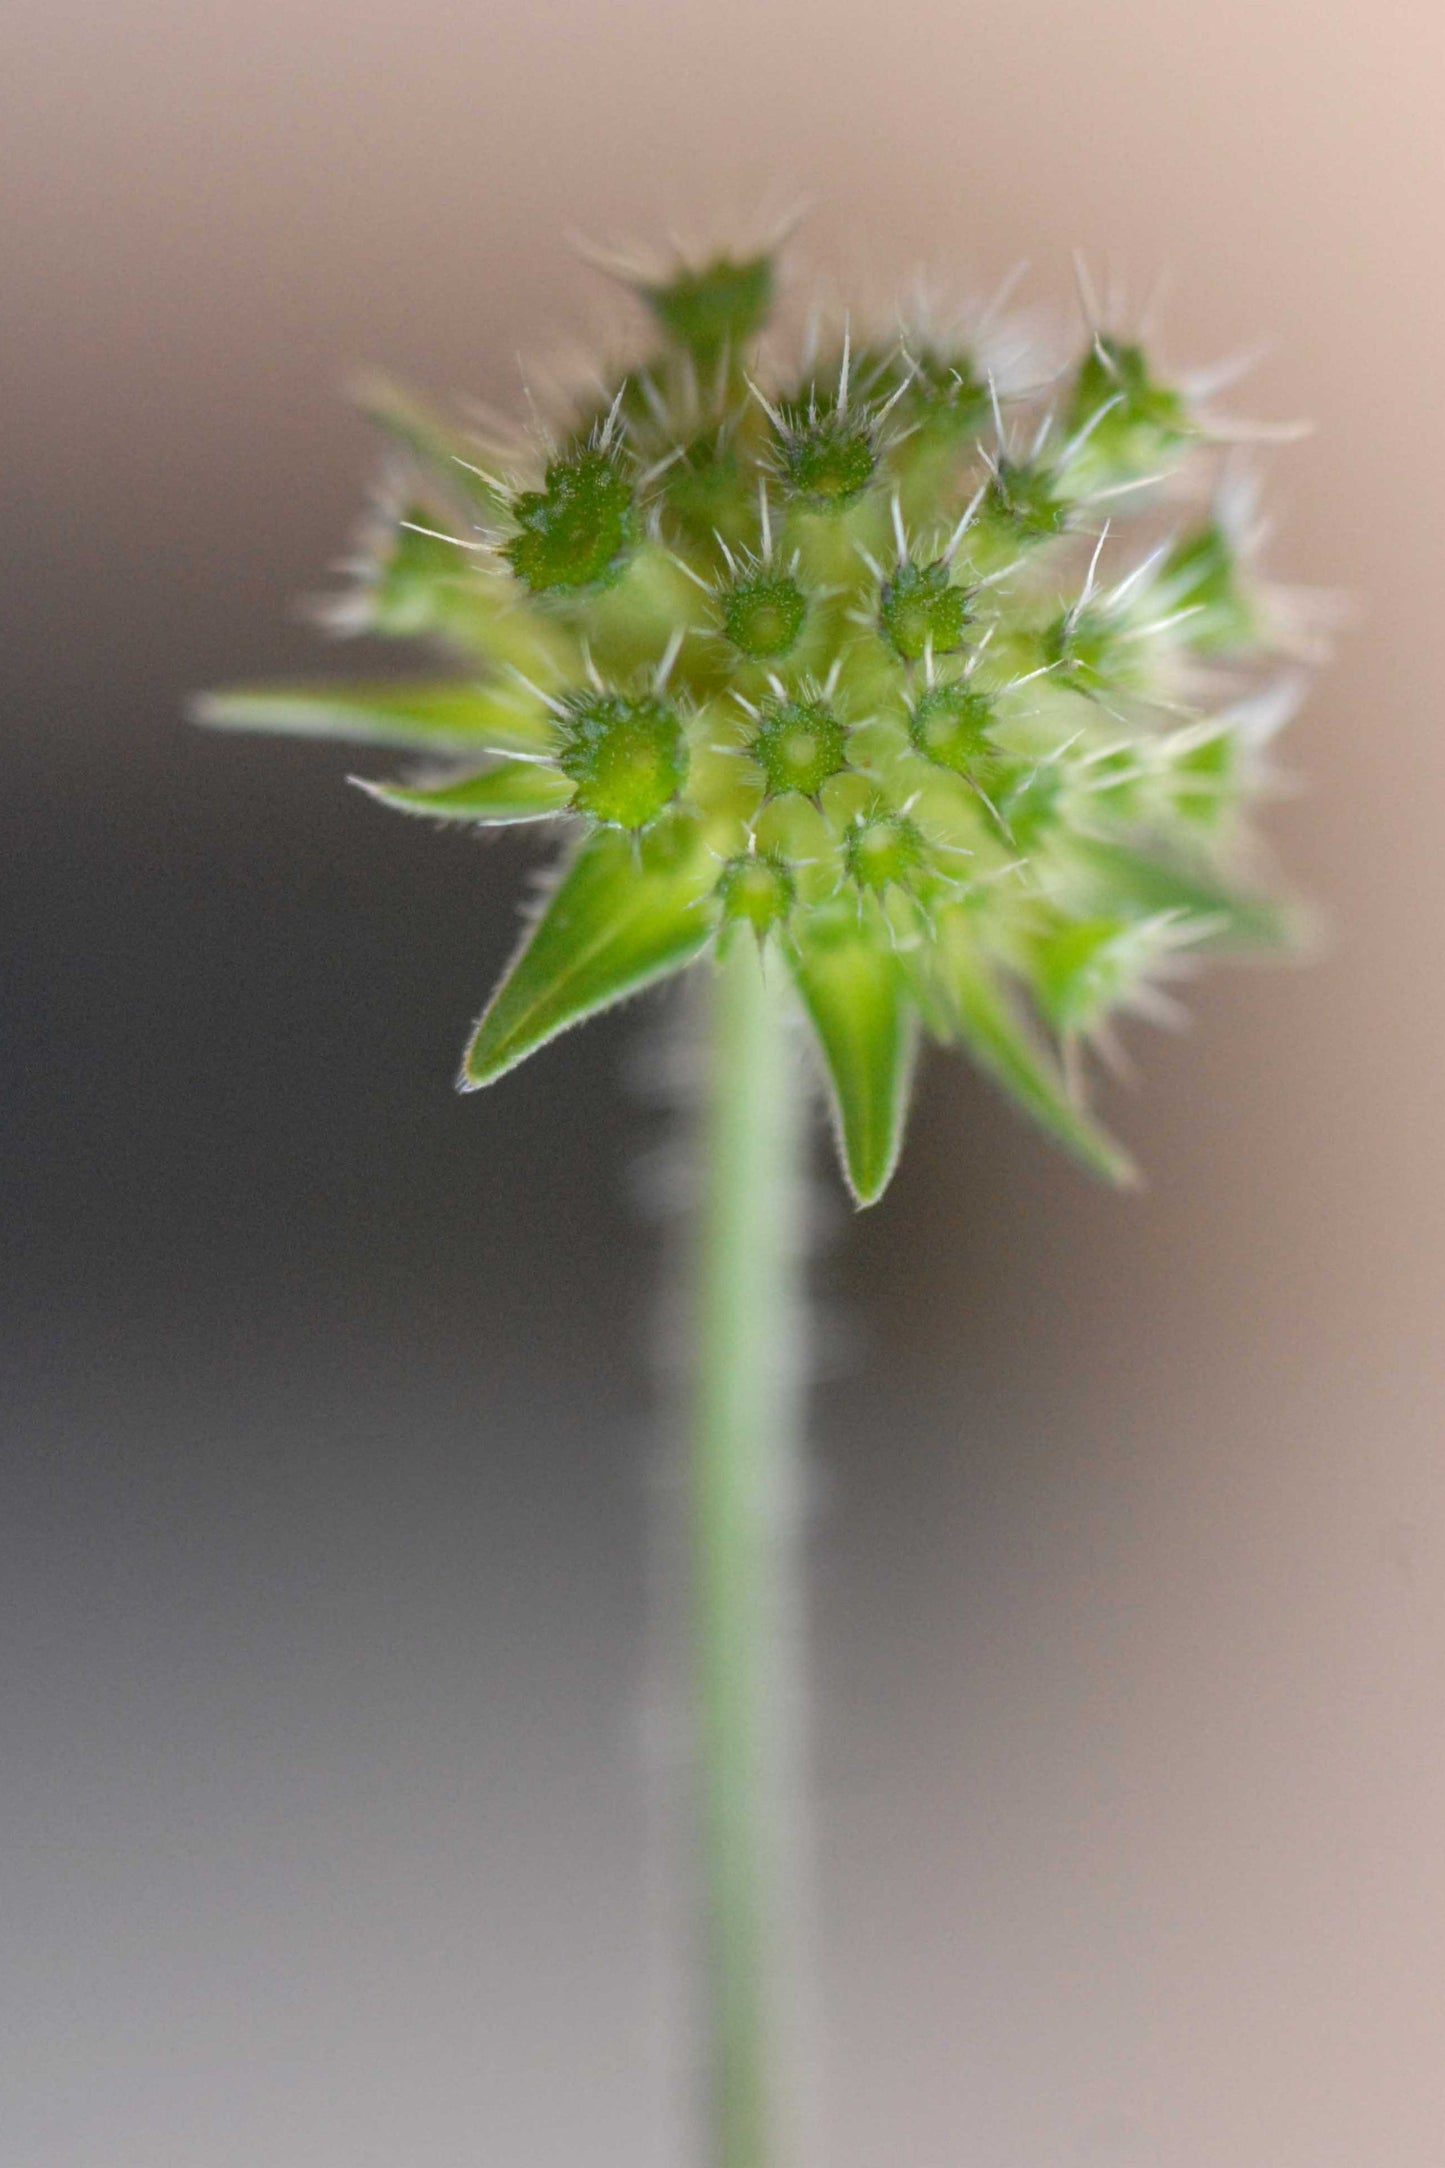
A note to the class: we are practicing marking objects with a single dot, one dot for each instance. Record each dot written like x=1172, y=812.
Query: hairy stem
x=747, y=1438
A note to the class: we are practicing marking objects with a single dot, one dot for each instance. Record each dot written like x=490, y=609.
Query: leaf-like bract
x=985, y=1021
x=515, y=790
x=430, y=441
x=625, y=913
x=853, y=990
x=431, y=716
x=1118, y=875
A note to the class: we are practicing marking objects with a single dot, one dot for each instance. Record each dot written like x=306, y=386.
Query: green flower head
x=947, y=695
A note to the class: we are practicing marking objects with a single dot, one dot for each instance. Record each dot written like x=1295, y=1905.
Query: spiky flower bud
x=949, y=694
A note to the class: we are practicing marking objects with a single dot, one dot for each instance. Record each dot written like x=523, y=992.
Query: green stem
x=747, y=1435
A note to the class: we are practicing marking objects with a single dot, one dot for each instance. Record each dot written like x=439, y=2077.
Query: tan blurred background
x=323, y=1828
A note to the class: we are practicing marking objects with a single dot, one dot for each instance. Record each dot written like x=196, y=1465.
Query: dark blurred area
x=327, y=1393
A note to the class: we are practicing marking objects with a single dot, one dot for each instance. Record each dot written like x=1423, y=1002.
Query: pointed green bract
x=419, y=585
x=1078, y=972
x=624, y=914
x=515, y=790
x=985, y=1022
x=1120, y=876
x=468, y=717
x=423, y=580
x=434, y=446
x=853, y=990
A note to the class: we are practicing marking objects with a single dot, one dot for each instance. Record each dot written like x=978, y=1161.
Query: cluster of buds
x=947, y=689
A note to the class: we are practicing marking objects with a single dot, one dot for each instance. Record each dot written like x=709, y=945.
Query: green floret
x=1130, y=424
x=828, y=461
x=1093, y=651
x=717, y=308
x=949, y=725
x=578, y=529
x=799, y=745
x=1031, y=807
x=707, y=491
x=757, y=888
x=946, y=397
x=883, y=850
x=628, y=758
x=1203, y=574
x=1024, y=497
x=763, y=613
x=920, y=609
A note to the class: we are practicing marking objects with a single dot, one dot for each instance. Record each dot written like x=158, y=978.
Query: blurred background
x=326, y=1392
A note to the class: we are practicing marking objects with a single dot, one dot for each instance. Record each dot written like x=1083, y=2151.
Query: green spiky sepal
x=854, y=663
